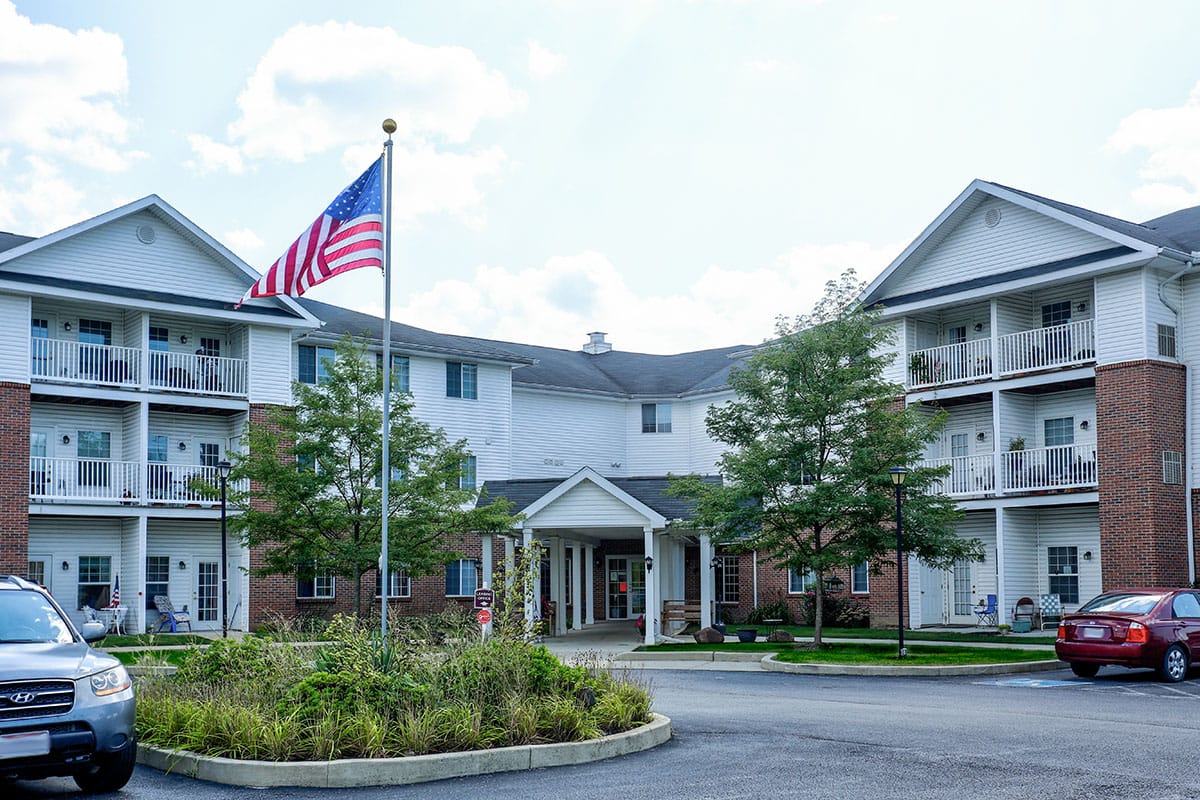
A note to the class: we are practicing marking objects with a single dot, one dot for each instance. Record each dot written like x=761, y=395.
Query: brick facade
x=14, y=478
x=1140, y=411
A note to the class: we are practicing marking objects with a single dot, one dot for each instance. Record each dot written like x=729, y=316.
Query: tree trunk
x=358, y=596
x=818, y=609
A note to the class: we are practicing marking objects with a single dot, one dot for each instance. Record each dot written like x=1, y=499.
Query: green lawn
x=965, y=636
x=151, y=640
x=918, y=656
x=152, y=657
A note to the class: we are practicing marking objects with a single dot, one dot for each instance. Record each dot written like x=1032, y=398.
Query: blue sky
x=676, y=174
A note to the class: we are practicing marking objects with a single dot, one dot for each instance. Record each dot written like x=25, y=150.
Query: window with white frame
x=313, y=363
x=1063, y=568
x=400, y=370
x=799, y=582
x=39, y=330
x=400, y=584
x=210, y=454
x=1056, y=314
x=1172, y=467
x=1166, y=341
x=462, y=380
x=313, y=583
x=727, y=579
x=95, y=581
x=158, y=579
x=211, y=346
x=466, y=479
x=462, y=577
x=860, y=578
x=93, y=448
x=656, y=417
x=36, y=572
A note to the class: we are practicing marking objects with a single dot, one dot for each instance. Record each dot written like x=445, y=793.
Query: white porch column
x=530, y=608
x=485, y=560
x=576, y=587
x=706, y=581
x=557, y=560
x=589, y=556
x=1001, y=602
x=652, y=602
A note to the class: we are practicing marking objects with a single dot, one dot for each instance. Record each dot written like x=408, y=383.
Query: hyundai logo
x=21, y=698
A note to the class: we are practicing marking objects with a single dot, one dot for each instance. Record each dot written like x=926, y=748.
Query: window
x=1185, y=606
x=462, y=380
x=859, y=579
x=314, y=363
x=799, y=582
x=93, y=359
x=313, y=583
x=956, y=335
x=1063, y=565
x=1166, y=341
x=158, y=577
x=399, y=586
x=210, y=346
x=1172, y=467
x=95, y=581
x=160, y=339
x=39, y=332
x=36, y=572
x=399, y=371
x=656, y=417
x=1056, y=314
x=210, y=454
x=93, y=450
x=727, y=579
x=461, y=579
x=466, y=480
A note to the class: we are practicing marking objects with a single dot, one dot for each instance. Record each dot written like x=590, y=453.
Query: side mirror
x=93, y=631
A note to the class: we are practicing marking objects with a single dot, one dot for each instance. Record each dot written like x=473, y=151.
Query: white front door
x=962, y=608
x=933, y=606
x=207, y=596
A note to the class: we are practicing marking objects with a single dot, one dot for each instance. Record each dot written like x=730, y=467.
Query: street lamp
x=223, y=468
x=898, y=474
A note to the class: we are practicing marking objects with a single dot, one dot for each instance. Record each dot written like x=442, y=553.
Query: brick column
x=14, y=478
x=268, y=593
x=1140, y=412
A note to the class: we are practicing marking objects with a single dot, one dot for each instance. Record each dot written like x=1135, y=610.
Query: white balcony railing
x=1064, y=467
x=968, y=475
x=88, y=480
x=62, y=361
x=951, y=363
x=1057, y=346
x=78, y=362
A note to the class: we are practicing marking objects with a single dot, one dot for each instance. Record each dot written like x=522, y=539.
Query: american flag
x=348, y=235
x=116, y=595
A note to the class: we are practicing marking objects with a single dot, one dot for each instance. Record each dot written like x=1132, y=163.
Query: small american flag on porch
x=116, y=595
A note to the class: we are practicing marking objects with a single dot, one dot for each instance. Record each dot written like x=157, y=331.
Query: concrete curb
x=689, y=655
x=347, y=773
x=771, y=665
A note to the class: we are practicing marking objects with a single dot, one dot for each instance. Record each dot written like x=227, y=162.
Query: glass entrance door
x=208, y=591
x=626, y=587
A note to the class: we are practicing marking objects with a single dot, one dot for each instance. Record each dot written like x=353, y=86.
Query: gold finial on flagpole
x=389, y=126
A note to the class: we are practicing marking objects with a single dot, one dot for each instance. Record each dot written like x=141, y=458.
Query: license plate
x=1094, y=633
x=23, y=745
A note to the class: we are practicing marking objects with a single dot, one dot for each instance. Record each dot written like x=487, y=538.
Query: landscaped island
x=432, y=687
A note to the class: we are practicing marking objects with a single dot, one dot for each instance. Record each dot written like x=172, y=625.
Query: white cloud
x=242, y=241
x=543, y=63
x=41, y=200
x=1171, y=139
x=213, y=156
x=557, y=303
x=773, y=68
x=61, y=92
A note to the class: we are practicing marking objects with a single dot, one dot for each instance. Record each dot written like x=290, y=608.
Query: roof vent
x=596, y=344
x=146, y=234
x=992, y=218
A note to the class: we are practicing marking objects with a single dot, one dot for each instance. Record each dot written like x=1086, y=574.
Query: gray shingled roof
x=648, y=490
x=615, y=372
x=10, y=240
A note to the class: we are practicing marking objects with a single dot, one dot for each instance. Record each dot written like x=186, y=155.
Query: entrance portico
x=626, y=529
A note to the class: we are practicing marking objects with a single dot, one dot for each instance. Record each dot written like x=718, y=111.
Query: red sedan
x=1156, y=628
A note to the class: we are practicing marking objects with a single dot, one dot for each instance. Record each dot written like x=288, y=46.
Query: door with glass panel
x=962, y=589
x=208, y=594
x=958, y=447
x=626, y=587
x=39, y=462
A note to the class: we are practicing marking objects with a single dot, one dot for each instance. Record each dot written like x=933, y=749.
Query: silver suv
x=65, y=709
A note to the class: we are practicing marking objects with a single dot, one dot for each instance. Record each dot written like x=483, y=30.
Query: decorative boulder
x=781, y=636
x=709, y=636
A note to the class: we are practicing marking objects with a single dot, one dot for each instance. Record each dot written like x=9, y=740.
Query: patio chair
x=987, y=613
x=1026, y=609
x=167, y=615
x=1051, y=610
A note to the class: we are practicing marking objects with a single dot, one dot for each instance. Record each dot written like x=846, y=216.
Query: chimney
x=596, y=344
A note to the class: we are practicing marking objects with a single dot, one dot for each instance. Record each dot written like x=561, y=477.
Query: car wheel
x=1174, y=664
x=1084, y=669
x=108, y=772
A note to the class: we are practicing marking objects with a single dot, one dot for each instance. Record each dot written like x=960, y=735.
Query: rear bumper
x=1121, y=653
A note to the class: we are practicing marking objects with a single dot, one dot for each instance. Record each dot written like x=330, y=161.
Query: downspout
x=1189, y=520
x=756, y=579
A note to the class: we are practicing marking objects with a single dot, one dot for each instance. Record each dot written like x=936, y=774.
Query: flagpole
x=385, y=578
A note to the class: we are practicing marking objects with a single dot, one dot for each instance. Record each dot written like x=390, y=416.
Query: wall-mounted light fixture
x=1081, y=307
x=981, y=436
x=66, y=326
x=834, y=584
x=649, y=563
x=183, y=445
x=1083, y=425
x=1087, y=555
x=66, y=439
x=183, y=565
x=978, y=327
x=716, y=562
x=66, y=565
x=183, y=339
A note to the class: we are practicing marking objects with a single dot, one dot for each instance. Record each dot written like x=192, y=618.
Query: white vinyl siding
x=270, y=365
x=14, y=338
x=553, y=435
x=586, y=501
x=1122, y=332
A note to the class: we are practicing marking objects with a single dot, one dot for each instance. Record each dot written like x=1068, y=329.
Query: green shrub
x=778, y=609
x=838, y=611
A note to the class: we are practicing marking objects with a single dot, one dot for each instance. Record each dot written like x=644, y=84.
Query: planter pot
x=747, y=634
x=1021, y=626
x=719, y=629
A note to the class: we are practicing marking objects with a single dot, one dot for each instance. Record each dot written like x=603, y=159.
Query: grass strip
x=918, y=656
x=966, y=636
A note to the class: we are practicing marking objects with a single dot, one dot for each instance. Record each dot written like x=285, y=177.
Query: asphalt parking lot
x=1111, y=680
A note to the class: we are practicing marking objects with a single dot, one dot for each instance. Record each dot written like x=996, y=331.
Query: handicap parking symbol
x=1031, y=683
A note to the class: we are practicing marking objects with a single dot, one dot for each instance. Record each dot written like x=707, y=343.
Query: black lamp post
x=223, y=468
x=898, y=474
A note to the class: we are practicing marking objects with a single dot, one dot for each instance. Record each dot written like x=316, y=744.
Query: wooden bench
x=679, y=612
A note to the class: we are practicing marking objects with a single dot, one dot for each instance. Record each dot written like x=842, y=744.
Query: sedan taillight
x=1062, y=631
x=1137, y=633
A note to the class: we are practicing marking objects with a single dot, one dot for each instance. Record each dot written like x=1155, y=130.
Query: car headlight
x=110, y=682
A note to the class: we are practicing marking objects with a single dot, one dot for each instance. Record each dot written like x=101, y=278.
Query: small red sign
x=484, y=616
x=624, y=587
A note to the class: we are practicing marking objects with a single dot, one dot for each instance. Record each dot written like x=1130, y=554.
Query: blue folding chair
x=987, y=614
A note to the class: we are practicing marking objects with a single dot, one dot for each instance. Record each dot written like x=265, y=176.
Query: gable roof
x=1174, y=235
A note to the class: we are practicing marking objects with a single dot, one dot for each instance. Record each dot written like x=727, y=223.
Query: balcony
x=62, y=361
x=1071, y=466
x=1041, y=348
x=94, y=480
